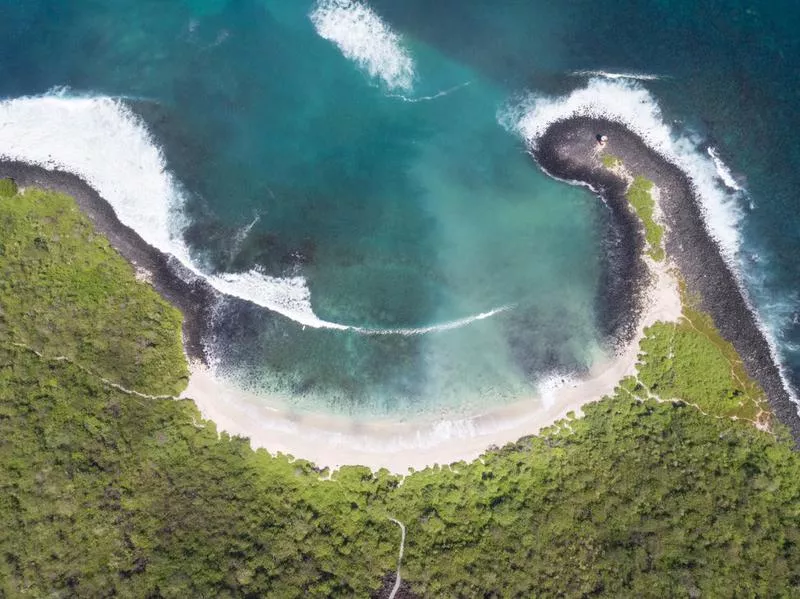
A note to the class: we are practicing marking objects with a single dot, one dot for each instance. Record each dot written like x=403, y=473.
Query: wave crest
x=725, y=174
x=364, y=38
x=101, y=140
x=612, y=75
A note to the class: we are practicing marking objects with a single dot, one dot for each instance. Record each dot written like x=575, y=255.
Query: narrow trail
x=398, y=580
x=757, y=424
x=759, y=418
x=91, y=373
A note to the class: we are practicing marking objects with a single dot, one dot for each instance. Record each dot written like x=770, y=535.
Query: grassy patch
x=641, y=198
x=7, y=188
x=610, y=161
x=691, y=361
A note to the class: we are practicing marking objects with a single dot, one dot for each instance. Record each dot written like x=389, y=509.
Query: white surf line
x=398, y=580
x=435, y=96
x=364, y=38
x=102, y=141
x=725, y=174
x=623, y=75
x=631, y=104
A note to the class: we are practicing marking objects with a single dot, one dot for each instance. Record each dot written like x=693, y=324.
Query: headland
x=177, y=284
x=569, y=150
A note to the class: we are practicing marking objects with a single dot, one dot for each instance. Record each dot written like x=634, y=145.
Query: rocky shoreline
x=190, y=294
x=567, y=150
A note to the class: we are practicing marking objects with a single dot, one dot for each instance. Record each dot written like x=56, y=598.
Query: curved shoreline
x=190, y=294
x=333, y=441
x=567, y=150
x=641, y=293
x=330, y=441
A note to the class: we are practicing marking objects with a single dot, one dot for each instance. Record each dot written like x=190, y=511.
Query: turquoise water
x=373, y=164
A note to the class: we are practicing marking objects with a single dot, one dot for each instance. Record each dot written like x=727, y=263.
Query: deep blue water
x=406, y=206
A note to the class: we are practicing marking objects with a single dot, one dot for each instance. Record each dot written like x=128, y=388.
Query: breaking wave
x=437, y=328
x=549, y=385
x=612, y=75
x=436, y=96
x=107, y=145
x=725, y=174
x=364, y=38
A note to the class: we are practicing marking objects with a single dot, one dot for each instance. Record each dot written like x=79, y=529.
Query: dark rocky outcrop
x=567, y=150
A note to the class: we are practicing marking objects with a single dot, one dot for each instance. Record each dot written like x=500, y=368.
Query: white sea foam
x=548, y=386
x=612, y=75
x=364, y=38
x=102, y=141
x=725, y=174
x=627, y=102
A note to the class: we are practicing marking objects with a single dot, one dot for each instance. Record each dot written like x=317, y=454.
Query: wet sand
x=329, y=441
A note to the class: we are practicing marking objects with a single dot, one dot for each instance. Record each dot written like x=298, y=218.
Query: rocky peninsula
x=570, y=150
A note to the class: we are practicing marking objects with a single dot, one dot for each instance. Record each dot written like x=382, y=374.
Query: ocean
x=359, y=172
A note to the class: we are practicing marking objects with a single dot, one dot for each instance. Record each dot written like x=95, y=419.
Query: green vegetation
x=640, y=197
x=691, y=362
x=610, y=161
x=65, y=292
x=104, y=493
x=7, y=188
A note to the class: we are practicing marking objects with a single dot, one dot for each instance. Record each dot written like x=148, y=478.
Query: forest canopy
x=107, y=490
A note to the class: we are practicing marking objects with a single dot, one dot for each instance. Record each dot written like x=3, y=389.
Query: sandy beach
x=331, y=442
